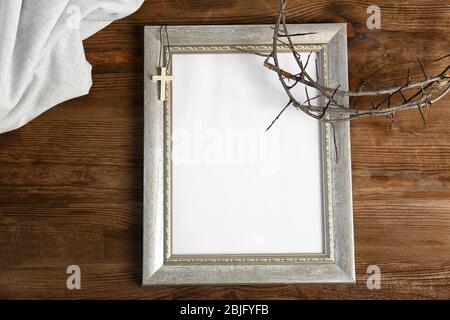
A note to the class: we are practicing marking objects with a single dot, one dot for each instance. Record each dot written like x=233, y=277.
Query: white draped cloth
x=42, y=61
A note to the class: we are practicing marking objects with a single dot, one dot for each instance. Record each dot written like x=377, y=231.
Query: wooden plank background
x=71, y=180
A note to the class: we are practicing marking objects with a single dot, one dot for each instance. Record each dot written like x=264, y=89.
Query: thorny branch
x=426, y=91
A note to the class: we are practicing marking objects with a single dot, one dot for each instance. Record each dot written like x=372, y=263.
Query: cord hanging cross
x=162, y=78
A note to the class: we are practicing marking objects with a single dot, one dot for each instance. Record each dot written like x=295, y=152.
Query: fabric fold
x=42, y=60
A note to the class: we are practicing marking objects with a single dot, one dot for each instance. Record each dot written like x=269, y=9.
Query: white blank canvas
x=237, y=189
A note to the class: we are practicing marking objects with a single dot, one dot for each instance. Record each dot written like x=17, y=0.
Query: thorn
x=408, y=77
x=388, y=122
x=335, y=143
x=383, y=101
x=422, y=115
x=422, y=68
x=298, y=34
x=279, y=114
x=317, y=72
x=394, y=121
x=307, y=96
x=401, y=93
x=404, y=98
x=307, y=60
x=435, y=60
x=329, y=102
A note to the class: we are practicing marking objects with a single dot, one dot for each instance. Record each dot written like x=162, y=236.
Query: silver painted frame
x=160, y=266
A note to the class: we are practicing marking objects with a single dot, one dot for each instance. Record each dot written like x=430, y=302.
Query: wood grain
x=71, y=180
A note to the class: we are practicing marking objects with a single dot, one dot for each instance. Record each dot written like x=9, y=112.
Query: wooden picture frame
x=160, y=265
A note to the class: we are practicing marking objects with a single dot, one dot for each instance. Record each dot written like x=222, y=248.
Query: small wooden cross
x=162, y=78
